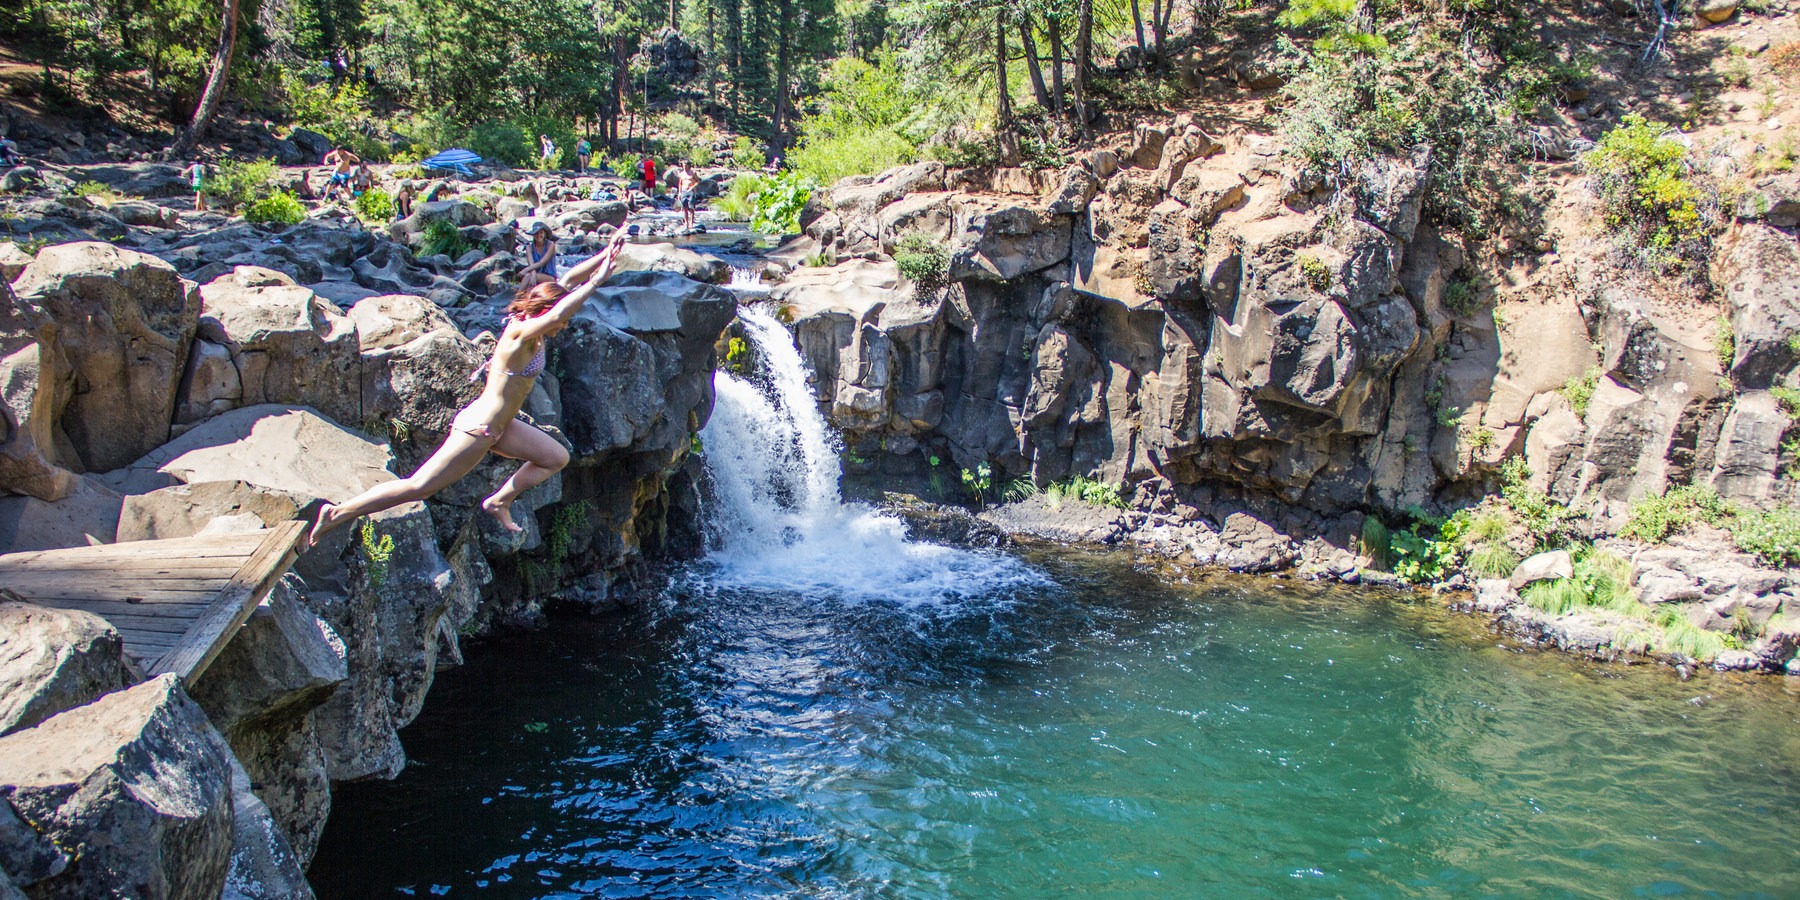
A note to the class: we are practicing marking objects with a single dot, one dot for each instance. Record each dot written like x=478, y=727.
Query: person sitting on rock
x=361, y=181
x=9, y=151
x=403, y=198
x=541, y=267
x=488, y=424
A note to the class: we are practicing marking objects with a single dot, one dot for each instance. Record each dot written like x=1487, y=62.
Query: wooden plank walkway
x=175, y=602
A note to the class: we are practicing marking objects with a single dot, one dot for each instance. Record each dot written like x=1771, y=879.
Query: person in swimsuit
x=488, y=423
x=342, y=161
x=687, y=185
x=541, y=268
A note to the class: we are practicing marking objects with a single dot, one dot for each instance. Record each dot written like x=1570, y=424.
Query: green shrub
x=1580, y=389
x=923, y=259
x=1492, y=560
x=239, y=184
x=1316, y=273
x=1602, y=580
x=1086, y=490
x=745, y=154
x=1376, y=542
x=1647, y=193
x=1419, y=559
x=279, y=207
x=827, y=159
x=1724, y=342
x=339, y=110
x=96, y=189
x=738, y=203
x=978, y=151
x=441, y=237
x=375, y=206
x=1773, y=535
x=1460, y=295
x=1654, y=519
x=1789, y=398
x=778, y=203
x=1548, y=522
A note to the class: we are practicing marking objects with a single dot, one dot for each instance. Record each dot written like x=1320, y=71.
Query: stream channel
x=821, y=708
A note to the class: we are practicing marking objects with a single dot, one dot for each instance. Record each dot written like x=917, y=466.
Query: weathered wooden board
x=176, y=603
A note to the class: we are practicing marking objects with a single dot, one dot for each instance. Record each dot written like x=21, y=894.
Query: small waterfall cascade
x=776, y=518
x=746, y=282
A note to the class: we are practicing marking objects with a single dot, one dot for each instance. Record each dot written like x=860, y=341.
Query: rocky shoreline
x=1257, y=367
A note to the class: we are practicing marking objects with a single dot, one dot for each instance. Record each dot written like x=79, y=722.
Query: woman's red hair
x=536, y=300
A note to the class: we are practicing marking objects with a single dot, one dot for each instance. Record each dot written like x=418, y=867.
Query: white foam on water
x=778, y=521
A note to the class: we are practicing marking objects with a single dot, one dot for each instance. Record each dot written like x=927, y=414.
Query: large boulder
x=125, y=322
x=35, y=383
x=1001, y=240
x=130, y=794
x=670, y=258
x=261, y=692
x=183, y=510
x=282, y=448
x=416, y=369
x=1760, y=270
x=53, y=660
x=286, y=343
x=88, y=515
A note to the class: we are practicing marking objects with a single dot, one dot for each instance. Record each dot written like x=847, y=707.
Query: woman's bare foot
x=327, y=520
x=501, y=510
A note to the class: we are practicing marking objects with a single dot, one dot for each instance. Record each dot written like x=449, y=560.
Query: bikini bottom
x=473, y=425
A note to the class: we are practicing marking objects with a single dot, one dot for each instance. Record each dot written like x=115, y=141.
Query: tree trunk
x=1084, y=44
x=1056, y=65
x=675, y=14
x=1160, y=10
x=784, y=35
x=1031, y=62
x=215, y=82
x=1137, y=21
x=1003, y=115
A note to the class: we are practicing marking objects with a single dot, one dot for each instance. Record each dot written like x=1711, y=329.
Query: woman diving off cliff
x=488, y=424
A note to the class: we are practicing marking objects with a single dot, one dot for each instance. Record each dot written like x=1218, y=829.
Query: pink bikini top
x=531, y=370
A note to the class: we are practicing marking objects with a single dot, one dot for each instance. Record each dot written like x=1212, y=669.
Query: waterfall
x=777, y=520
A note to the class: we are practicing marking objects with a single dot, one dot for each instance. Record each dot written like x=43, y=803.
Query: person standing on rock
x=488, y=424
x=648, y=169
x=547, y=149
x=541, y=267
x=403, y=198
x=342, y=161
x=196, y=173
x=584, y=151
x=687, y=187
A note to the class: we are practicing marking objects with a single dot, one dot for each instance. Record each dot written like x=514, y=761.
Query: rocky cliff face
x=1189, y=316
x=140, y=405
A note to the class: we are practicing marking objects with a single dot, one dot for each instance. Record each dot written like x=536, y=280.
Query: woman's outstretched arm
x=579, y=274
x=601, y=268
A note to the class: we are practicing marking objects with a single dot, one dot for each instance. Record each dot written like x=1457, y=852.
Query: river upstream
x=823, y=709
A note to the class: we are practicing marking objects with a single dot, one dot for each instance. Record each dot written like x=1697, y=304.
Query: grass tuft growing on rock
x=1655, y=519
x=1580, y=389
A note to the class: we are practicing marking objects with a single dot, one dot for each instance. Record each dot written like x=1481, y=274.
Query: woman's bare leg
x=543, y=458
x=455, y=457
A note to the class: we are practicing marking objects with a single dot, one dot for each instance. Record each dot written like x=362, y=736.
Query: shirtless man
x=687, y=188
x=342, y=162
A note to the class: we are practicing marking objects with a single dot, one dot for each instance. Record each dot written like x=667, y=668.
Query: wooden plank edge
x=233, y=605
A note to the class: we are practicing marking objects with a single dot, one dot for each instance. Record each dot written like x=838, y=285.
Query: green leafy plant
x=977, y=482
x=96, y=189
x=824, y=259
x=375, y=206
x=376, y=549
x=923, y=259
x=1655, y=519
x=1460, y=295
x=1548, y=522
x=779, y=202
x=1773, y=535
x=240, y=183
x=443, y=238
x=1317, y=274
x=738, y=203
x=1086, y=490
x=745, y=154
x=1580, y=389
x=738, y=357
x=1648, y=194
x=568, y=520
x=1724, y=342
x=280, y=207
